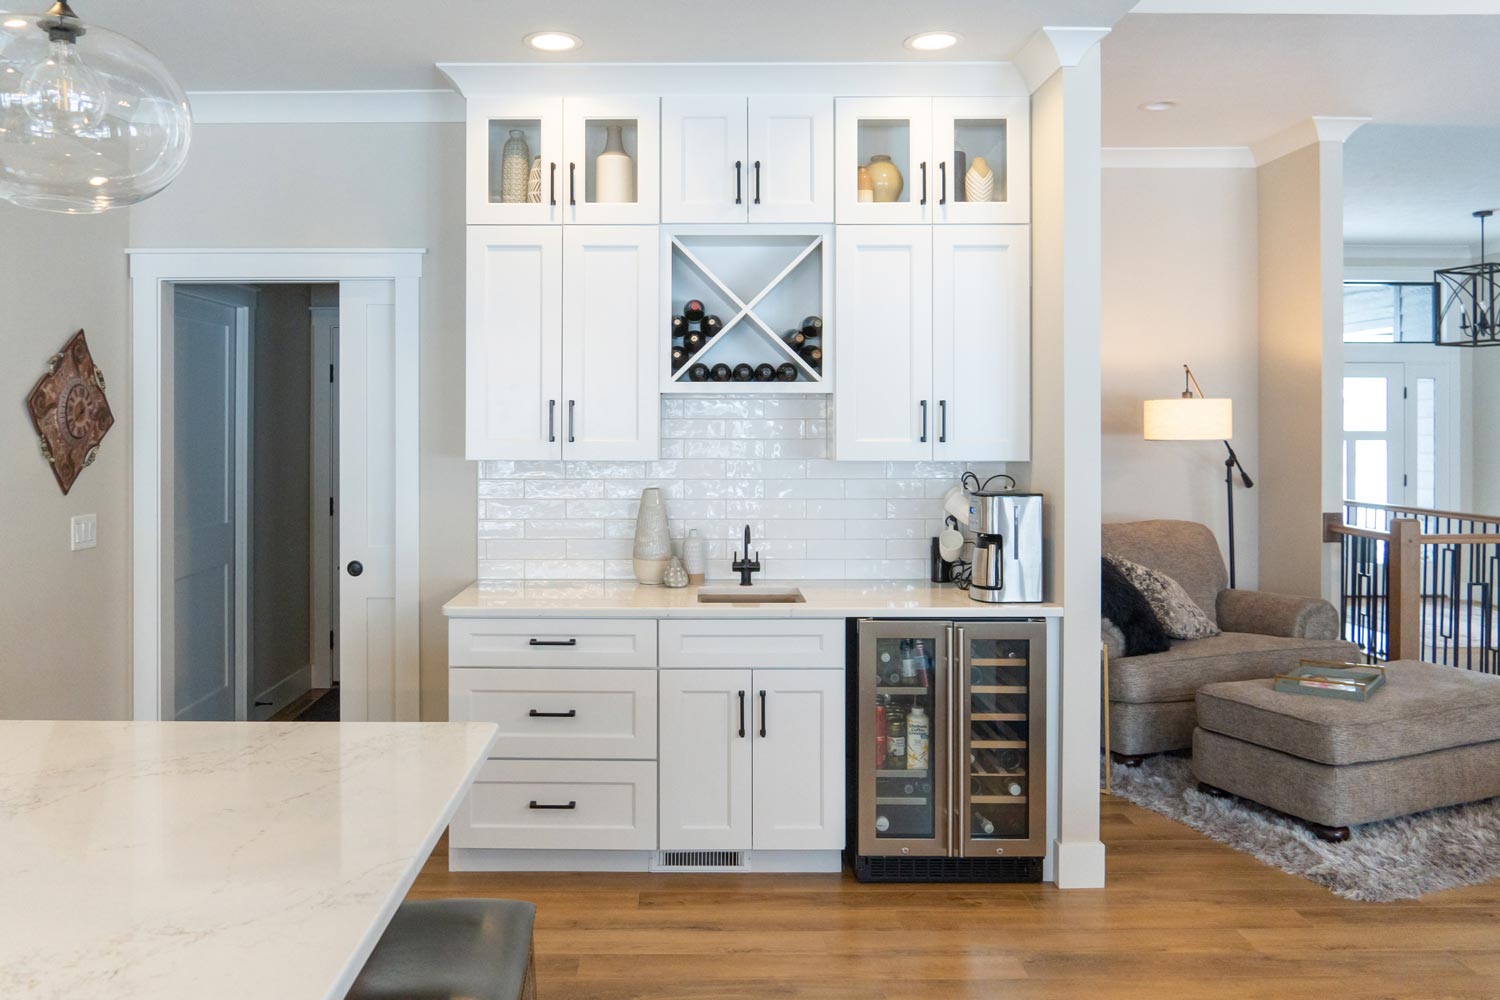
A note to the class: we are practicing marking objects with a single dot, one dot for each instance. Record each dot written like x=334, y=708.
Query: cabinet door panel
x=704, y=169
x=610, y=407
x=982, y=343
x=790, y=167
x=898, y=127
x=513, y=364
x=798, y=760
x=490, y=123
x=883, y=300
x=704, y=759
x=586, y=132
x=998, y=129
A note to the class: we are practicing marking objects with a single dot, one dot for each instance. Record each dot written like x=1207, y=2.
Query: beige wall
x=64, y=624
x=1180, y=288
x=363, y=186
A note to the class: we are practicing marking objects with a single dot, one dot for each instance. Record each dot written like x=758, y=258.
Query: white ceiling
x=393, y=44
x=1239, y=79
x=1412, y=184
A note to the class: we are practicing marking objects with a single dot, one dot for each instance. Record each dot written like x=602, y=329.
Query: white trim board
x=152, y=271
x=1344, y=7
x=1178, y=157
x=263, y=107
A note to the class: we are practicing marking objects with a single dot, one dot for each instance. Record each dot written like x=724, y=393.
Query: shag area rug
x=1397, y=859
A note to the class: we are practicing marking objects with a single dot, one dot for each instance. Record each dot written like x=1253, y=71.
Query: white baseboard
x=281, y=694
x=1080, y=864
x=486, y=859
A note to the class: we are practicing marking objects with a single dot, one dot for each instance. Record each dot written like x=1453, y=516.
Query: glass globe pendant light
x=89, y=120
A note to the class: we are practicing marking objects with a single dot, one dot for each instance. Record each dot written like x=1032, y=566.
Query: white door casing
x=789, y=174
x=705, y=171
x=797, y=760
x=705, y=767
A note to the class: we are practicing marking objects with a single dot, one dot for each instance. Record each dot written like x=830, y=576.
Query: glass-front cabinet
x=982, y=149
x=951, y=744
x=555, y=160
x=882, y=152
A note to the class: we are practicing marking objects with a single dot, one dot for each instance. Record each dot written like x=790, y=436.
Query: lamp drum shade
x=1189, y=419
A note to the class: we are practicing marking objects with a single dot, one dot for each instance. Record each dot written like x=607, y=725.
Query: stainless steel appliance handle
x=953, y=762
x=960, y=690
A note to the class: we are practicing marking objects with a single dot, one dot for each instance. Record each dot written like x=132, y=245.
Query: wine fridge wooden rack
x=761, y=280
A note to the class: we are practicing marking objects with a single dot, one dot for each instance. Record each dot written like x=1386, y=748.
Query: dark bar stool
x=453, y=949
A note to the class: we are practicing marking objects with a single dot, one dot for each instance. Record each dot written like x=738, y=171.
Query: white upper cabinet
x=981, y=352
x=996, y=130
x=729, y=159
x=790, y=176
x=883, y=296
x=514, y=342
x=533, y=128
x=612, y=150
x=917, y=159
x=611, y=304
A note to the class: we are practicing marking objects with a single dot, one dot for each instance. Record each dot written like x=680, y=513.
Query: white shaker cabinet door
x=789, y=175
x=798, y=760
x=871, y=131
x=704, y=759
x=981, y=281
x=605, y=185
x=610, y=407
x=705, y=172
x=533, y=122
x=883, y=302
x=996, y=130
x=513, y=363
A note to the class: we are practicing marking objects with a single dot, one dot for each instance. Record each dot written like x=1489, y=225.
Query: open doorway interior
x=253, y=420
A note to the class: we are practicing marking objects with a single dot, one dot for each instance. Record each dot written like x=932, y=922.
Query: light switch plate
x=85, y=531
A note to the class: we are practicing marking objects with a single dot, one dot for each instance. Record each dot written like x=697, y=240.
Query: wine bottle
x=882, y=824
x=712, y=325
x=693, y=342
x=743, y=372
x=698, y=372
x=983, y=824
x=693, y=311
x=797, y=339
x=722, y=372
x=812, y=327
x=1014, y=789
x=678, y=357
x=814, y=355
x=765, y=373
x=786, y=372
x=679, y=326
x=1010, y=761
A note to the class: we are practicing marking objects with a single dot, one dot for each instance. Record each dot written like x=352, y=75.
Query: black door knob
x=356, y=567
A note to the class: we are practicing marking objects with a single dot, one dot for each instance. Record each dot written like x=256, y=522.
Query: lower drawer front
x=597, y=805
x=548, y=714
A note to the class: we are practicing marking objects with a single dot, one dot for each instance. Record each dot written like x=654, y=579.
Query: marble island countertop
x=228, y=860
x=823, y=599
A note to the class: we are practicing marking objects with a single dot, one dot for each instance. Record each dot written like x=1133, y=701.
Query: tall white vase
x=653, y=545
x=979, y=182
x=614, y=171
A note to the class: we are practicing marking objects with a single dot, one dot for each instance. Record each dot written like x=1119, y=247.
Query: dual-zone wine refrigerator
x=949, y=763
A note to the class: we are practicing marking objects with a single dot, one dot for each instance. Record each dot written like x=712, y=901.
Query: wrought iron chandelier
x=1470, y=291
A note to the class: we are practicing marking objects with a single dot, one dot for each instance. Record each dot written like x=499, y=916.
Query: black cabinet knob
x=356, y=567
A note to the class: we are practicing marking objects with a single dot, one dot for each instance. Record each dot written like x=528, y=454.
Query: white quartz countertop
x=824, y=599
x=227, y=860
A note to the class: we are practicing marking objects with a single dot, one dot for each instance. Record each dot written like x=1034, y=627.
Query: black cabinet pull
x=924, y=182
x=942, y=421
x=763, y=715
x=356, y=568
x=554, y=642
x=742, y=715
x=738, y=164
x=570, y=421
x=545, y=805
x=571, y=713
x=943, y=183
x=923, y=438
x=551, y=420
x=757, y=182
x=552, y=185
x=572, y=184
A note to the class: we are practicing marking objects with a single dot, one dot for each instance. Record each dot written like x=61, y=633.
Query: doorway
x=1402, y=428
x=358, y=461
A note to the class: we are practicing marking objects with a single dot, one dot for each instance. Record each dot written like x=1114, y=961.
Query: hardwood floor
x=1182, y=917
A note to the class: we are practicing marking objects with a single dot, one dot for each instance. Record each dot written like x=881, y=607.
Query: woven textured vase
x=515, y=168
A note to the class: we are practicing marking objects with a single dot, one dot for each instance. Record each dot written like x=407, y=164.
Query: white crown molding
x=1335, y=7
x=1050, y=49
x=1178, y=157
x=265, y=107
x=1318, y=128
x=866, y=79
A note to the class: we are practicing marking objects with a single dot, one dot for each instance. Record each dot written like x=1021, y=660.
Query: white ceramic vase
x=614, y=171
x=693, y=556
x=515, y=168
x=653, y=545
x=534, y=184
x=979, y=182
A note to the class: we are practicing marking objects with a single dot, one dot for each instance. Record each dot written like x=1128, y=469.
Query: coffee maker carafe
x=1008, y=550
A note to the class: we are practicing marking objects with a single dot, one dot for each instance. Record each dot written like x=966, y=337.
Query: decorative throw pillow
x=1176, y=611
x=1123, y=605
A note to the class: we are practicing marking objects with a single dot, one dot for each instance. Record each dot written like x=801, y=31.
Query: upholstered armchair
x=1151, y=696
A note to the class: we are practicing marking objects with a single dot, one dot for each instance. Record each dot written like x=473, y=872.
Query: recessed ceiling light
x=553, y=41
x=98, y=181
x=15, y=22
x=932, y=41
x=1159, y=106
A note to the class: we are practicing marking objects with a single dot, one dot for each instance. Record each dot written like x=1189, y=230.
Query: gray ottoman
x=1429, y=738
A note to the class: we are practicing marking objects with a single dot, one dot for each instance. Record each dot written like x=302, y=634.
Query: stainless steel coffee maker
x=1008, y=550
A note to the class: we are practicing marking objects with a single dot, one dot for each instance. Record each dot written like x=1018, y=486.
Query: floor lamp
x=1195, y=417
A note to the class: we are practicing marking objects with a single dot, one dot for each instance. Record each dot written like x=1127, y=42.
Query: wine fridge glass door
x=1000, y=692
x=904, y=671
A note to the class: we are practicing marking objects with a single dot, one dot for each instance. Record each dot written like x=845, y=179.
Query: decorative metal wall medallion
x=70, y=412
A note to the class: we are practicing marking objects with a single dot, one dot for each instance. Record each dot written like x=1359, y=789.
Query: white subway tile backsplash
x=725, y=463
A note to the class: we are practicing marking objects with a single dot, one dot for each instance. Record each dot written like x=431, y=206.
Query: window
x=1388, y=312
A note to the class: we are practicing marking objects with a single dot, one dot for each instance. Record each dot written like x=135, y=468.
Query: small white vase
x=614, y=171
x=693, y=556
x=653, y=544
x=534, y=183
x=979, y=182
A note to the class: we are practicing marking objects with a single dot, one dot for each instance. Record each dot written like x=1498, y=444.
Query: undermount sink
x=750, y=595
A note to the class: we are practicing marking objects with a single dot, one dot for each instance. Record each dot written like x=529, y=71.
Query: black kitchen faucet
x=744, y=566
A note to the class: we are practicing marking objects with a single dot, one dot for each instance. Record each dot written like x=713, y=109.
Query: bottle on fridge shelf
x=1014, y=789
x=882, y=823
x=918, y=743
x=895, y=743
x=908, y=663
x=982, y=824
x=1009, y=761
x=881, y=737
x=924, y=663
